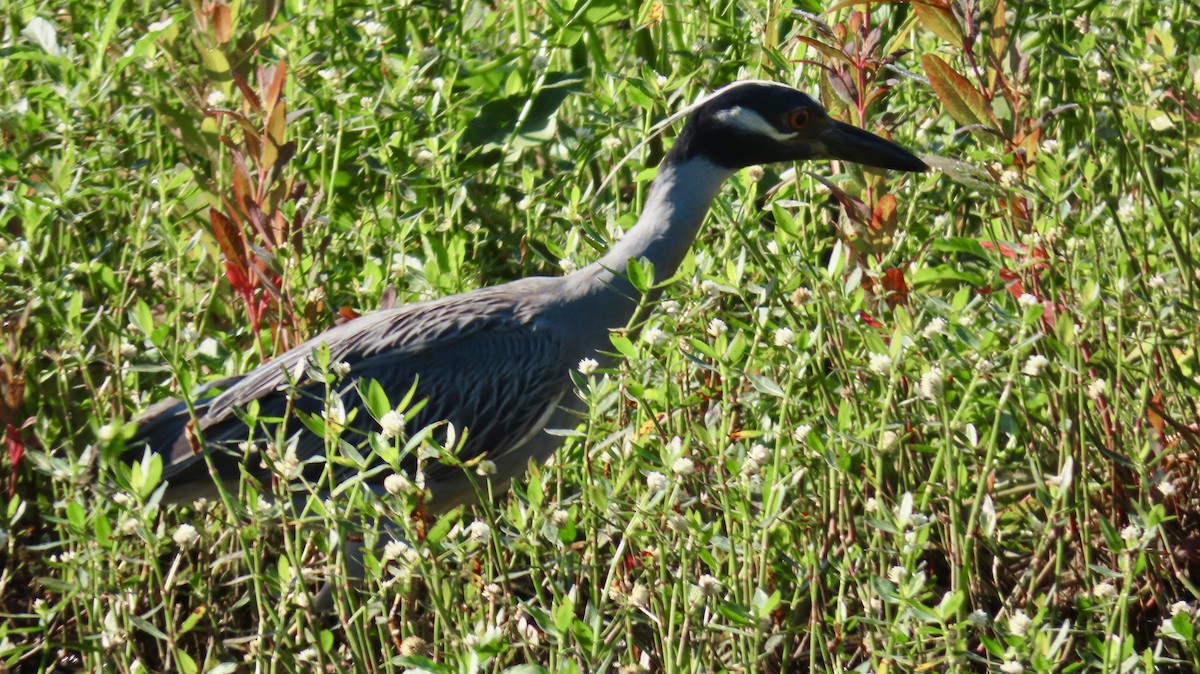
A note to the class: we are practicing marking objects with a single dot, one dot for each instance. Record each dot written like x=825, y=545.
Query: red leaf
x=1012, y=281
x=897, y=289
x=16, y=451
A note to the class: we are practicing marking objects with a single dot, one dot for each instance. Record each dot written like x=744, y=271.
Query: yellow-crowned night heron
x=497, y=362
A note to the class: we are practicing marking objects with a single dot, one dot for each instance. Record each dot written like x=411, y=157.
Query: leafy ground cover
x=879, y=423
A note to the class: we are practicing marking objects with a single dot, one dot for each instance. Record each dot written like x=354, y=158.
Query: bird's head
x=755, y=122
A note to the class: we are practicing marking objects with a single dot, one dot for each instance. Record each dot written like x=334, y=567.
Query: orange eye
x=798, y=118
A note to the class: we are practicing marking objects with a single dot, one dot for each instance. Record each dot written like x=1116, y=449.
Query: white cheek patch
x=748, y=120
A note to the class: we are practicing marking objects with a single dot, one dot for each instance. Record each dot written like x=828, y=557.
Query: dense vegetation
x=944, y=422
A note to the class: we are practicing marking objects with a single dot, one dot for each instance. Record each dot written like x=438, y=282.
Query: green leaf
x=940, y=21
x=766, y=385
x=623, y=345
x=76, y=516
x=943, y=273
x=375, y=398
x=962, y=100
x=192, y=620
x=102, y=529
x=961, y=245
x=186, y=665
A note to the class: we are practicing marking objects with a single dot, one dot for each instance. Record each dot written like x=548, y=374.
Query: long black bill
x=850, y=143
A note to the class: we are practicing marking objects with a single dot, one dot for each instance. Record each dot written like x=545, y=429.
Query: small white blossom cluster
x=717, y=327
x=1035, y=364
x=1019, y=623
x=657, y=482
x=392, y=424
x=880, y=364
x=588, y=366
x=186, y=536
x=1096, y=389
x=654, y=336
x=931, y=384
x=683, y=467
x=935, y=327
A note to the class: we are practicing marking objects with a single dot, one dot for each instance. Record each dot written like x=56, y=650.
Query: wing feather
x=483, y=361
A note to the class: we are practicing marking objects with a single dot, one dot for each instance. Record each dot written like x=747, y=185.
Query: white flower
x=896, y=574
x=1019, y=623
x=485, y=468
x=880, y=364
x=216, y=98
x=335, y=411
x=639, y=596
x=1012, y=667
x=754, y=173
x=1104, y=591
x=1166, y=488
x=1103, y=77
x=1125, y=209
x=710, y=288
x=523, y=204
x=567, y=265
x=784, y=337
x=185, y=536
x=1035, y=364
x=888, y=439
x=759, y=454
x=1179, y=607
x=610, y=142
x=801, y=433
x=122, y=499
x=709, y=585
x=871, y=505
x=371, y=28
x=479, y=531
x=1157, y=281
x=670, y=307
x=717, y=327
x=978, y=618
x=654, y=336
x=414, y=645
x=656, y=481
x=392, y=424
x=1132, y=534
x=935, y=327
x=424, y=158
x=560, y=517
x=1027, y=300
x=683, y=467
x=931, y=384
x=340, y=369
x=398, y=550
x=1008, y=178
x=587, y=366
x=1096, y=389
x=307, y=655
x=1049, y=146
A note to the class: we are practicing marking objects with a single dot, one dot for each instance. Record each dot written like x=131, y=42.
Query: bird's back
x=489, y=362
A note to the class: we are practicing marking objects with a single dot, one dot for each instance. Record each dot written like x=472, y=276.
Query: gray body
x=497, y=361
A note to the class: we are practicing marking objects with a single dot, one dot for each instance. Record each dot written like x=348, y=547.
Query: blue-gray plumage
x=497, y=361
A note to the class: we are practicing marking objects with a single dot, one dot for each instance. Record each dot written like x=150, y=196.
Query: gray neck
x=675, y=208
